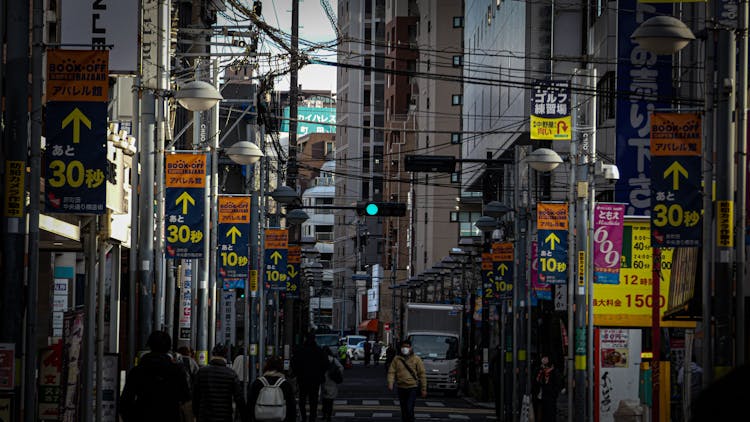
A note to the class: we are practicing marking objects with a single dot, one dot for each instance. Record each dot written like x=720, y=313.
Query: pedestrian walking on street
x=330, y=389
x=368, y=351
x=390, y=353
x=546, y=390
x=185, y=358
x=273, y=377
x=309, y=364
x=343, y=355
x=407, y=373
x=377, y=349
x=216, y=386
x=157, y=388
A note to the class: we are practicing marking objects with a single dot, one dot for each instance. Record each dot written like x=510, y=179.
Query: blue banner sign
x=75, y=174
x=275, y=258
x=185, y=180
x=312, y=120
x=553, y=256
x=643, y=81
x=502, y=263
x=233, y=240
x=294, y=259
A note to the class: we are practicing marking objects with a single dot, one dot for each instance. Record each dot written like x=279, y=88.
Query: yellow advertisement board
x=628, y=304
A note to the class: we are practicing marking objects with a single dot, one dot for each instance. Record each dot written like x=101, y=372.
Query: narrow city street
x=364, y=396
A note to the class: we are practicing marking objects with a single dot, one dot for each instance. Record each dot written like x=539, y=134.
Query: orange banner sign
x=675, y=134
x=552, y=216
x=294, y=255
x=234, y=209
x=277, y=239
x=78, y=75
x=185, y=170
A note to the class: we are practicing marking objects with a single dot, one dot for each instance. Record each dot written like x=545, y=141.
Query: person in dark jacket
x=215, y=386
x=272, y=371
x=156, y=389
x=309, y=365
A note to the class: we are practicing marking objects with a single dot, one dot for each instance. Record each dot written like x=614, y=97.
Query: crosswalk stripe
x=434, y=403
x=344, y=414
x=463, y=417
x=371, y=402
x=382, y=415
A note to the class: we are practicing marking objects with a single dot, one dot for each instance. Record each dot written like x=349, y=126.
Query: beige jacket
x=398, y=373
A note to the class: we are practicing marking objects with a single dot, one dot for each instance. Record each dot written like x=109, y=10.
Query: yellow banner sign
x=14, y=188
x=629, y=303
x=556, y=129
x=185, y=170
x=234, y=209
x=277, y=239
x=78, y=75
x=725, y=224
x=552, y=216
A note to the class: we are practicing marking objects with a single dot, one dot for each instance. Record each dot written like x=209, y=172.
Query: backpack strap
x=278, y=382
x=408, y=368
x=264, y=381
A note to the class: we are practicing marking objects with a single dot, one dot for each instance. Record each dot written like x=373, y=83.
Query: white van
x=351, y=344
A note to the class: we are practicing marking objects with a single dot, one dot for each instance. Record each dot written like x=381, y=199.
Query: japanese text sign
x=276, y=249
x=14, y=188
x=629, y=303
x=185, y=179
x=550, y=117
x=488, y=276
x=552, y=238
x=294, y=258
x=233, y=239
x=543, y=291
x=676, y=179
x=78, y=75
x=502, y=261
x=608, y=220
x=76, y=158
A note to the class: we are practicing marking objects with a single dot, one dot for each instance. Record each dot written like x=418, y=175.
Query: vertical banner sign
x=185, y=181
x=75, y=155
x=76, y=158
x=488, y=275
x=7, y=366
x=14, y=188
x=186, y=299
x=543, y=291
x=647, y=79
x=228, y=313
x=550, y=111
x=677, y=200
x=552, y=238
x=234, y=235
x=502, y=258
x=608, y=223
x=277, y=242
x=294, y=258
x=50, y=377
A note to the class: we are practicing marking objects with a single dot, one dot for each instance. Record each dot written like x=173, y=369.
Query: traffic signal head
x=381, y=209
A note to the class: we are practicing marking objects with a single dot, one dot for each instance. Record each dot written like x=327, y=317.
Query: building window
x=466, y=222
x=458, y=21
x=607, y=91
x=456, y=99
x=429, y=26
x=455, y=138
x=458, y=60
x=455, y=177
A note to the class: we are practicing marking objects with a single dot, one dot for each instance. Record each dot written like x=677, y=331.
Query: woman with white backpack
x=271, y=395
x=329, y=390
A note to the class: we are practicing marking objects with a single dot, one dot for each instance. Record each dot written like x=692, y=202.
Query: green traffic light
x=371, y=209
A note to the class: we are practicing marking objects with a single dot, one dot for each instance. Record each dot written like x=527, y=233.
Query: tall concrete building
x=359, y=152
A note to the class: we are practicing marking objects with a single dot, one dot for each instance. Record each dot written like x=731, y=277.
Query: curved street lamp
x=544, y=159
x=198, y=96
x=244, y=153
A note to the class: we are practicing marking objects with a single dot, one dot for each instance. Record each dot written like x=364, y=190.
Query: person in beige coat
x=406, y=372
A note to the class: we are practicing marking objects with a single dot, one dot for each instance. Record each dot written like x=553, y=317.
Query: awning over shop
x=369, y=325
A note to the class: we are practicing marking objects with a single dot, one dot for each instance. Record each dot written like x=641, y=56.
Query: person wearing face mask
x=406, y=372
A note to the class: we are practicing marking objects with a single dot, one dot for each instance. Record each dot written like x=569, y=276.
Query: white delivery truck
x=435, y=334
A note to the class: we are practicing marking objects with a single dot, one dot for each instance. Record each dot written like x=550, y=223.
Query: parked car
x=331, y=341
x=351, y=343
x=359, y=351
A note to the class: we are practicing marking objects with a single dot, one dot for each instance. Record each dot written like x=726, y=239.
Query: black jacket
x=214, y=388
x=286, y=387
x=309, y=365
x=154, y=390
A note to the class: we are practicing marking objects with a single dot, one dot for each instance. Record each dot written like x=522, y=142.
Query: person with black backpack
x=271, y=395
x=329, y=390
